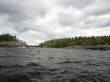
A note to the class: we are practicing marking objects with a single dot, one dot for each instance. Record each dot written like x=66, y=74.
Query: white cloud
x=39, y=20
x=67, y=16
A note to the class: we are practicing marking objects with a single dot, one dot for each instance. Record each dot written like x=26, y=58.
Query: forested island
x=93, y=42
x=79, y=42
x=8, y=40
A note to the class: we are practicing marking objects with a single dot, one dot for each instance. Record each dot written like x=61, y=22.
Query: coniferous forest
x=9, y=40
x=77, y=41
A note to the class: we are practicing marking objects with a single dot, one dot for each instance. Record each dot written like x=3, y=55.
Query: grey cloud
x=107, y=24
x=102, y=11
x=65, y=21
x=99, y=10
x=100, y=7
x=13, y=9
x=9, y=7
x=76, y=3
x=22, y=9
x=97, y=21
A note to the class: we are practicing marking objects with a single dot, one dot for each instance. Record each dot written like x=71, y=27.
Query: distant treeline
x=77, y=41
x=10, y=40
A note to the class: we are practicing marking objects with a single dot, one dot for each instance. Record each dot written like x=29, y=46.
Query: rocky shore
x=96, y=47
x=13, y=44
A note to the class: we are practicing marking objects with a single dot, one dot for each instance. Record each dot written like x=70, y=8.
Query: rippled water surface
x=54, y=65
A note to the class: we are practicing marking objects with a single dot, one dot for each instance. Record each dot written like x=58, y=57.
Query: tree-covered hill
x=7, y=37
x=77, y=41
x=11, y=41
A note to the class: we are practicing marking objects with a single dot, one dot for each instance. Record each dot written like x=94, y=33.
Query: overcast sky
x=36, y=21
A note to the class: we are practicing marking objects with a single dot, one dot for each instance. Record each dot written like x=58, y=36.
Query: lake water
x=54, y=65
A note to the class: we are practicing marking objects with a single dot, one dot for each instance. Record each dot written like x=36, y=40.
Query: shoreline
x=12, y=44
x=20, y=44
x=97, y=47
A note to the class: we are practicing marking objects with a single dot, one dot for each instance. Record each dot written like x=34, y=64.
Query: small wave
x=16, y=78
x=65, y=62
x=53, y=70
x=31, y=72
x=51, y=57
x=88, y=77
x=33, y=64
x=10, y=66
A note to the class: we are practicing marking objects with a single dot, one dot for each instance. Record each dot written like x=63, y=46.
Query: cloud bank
x=36, y=21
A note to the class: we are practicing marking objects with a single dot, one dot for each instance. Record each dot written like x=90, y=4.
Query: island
x=8, y=40
x=93, y=42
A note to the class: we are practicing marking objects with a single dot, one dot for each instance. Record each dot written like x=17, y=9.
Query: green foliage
x=10, y=40
x=8, y=37
x=77, y=41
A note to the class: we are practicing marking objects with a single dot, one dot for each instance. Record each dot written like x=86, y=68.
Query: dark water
x=54, y=65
